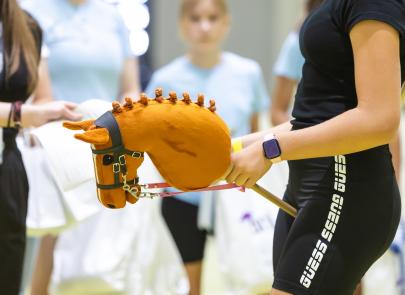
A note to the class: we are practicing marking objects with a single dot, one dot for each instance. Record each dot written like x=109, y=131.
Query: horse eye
x=108, y=160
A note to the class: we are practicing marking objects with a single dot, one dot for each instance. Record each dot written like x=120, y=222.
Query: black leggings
x=181, y=219
x=13, y=211
x=348, y=212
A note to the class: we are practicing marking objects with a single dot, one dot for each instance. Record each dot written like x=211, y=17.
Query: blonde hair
x=19, y=41
x=188, y=5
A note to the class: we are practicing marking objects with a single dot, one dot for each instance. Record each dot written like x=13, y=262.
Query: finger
x=241, y=179
x=233, y=175
x=68, y=114
x=70, y=105
x=250, y=182
x=228, y=170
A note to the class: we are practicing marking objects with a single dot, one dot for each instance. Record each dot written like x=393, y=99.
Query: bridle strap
x=107, y=120
x=118, y=185
x=118, y=149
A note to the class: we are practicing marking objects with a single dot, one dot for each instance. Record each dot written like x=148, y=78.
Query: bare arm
x=254, y=122
x=4, y=111
x=373, y=122
x=280, y=100
x=33, y=115
x=43, y=91
x=130, y=81
x=257, y=136
x=41, y=94
x=43, y=109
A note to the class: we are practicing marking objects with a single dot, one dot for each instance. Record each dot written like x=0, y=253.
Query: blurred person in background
x=23, y=74
x=89, y=57
x=236, y=84
x=288, y=71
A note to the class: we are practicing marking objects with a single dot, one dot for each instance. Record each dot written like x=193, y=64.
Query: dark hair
x=312, y=4
x=187, y=5
x=19, y=41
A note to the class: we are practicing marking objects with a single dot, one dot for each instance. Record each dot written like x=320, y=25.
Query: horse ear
x=82, y=125
x=94, y=136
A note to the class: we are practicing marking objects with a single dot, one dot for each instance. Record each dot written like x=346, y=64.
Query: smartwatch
x=271, y=148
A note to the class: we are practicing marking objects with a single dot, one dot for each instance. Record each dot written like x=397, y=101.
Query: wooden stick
x=287, y=208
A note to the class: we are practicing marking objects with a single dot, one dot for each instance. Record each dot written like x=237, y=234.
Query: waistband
x=316, y=178
x=378, y=153
x=372, y=164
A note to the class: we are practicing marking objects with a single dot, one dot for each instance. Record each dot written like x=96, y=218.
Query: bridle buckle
x=108, y=121
x=116, y=167
x=121, y=159
x=136, y=155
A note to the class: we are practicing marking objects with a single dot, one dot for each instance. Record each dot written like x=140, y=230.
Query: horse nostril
x=111, y=206
x=108, y=159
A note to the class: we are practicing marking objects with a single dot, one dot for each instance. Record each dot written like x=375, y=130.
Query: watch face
x=271, y=149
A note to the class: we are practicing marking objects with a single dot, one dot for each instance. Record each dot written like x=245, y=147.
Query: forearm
x=28, y=113
x=130, y=82
x=4, y=113
x=36, y=115
x=43, y=91
x=254, y=122
x=253, y=137
x=133, y=93
x=355, y=130
x=278, y=116
x=281, y=97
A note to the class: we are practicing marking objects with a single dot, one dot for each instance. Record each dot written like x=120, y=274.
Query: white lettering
x=330, y=223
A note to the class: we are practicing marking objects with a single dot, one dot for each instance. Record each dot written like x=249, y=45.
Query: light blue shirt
x=290, y=60
x=87, y=44
x=236, y=84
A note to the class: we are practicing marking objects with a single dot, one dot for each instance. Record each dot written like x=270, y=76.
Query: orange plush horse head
x=188, y=143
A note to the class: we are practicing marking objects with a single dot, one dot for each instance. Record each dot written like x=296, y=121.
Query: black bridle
x=119, y=152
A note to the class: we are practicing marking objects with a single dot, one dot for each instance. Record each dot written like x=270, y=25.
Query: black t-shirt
x=327, y=88
x=16, y=88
